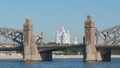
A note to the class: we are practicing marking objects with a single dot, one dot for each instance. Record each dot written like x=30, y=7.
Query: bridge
x=97, y=45
x=44, y=48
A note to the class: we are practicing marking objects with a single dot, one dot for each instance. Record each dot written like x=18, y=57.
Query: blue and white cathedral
x=62, y=37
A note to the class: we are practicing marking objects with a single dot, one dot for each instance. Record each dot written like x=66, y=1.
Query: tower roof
x=89, y=22
x=89, y=16
x=28, y=21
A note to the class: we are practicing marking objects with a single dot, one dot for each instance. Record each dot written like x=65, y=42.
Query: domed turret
x=90, y=17
x=89, y=21
x=28, y=23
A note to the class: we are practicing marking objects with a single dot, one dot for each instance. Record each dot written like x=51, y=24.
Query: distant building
x=75, y=40
x=62, y=37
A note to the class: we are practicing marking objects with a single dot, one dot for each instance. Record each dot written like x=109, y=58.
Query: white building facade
x=62, y=37
x=75, y=40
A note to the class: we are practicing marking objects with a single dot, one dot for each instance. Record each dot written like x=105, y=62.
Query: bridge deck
x=60, y=47
x=11, y=48
x=108, y=46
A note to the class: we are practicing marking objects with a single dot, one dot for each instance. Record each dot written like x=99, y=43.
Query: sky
x=49, y=15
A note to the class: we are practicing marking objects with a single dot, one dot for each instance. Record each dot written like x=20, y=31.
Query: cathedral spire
x=63, y=29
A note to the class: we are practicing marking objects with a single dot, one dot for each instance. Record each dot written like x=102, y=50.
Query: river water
x=60, y=63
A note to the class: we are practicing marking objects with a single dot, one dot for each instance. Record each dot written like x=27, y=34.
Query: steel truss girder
x=110, y=35
x=17, y=35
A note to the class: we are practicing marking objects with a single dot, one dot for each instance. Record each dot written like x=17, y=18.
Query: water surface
x=60, y=63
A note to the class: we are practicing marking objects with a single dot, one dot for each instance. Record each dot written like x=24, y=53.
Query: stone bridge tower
x=30, y=49
x=90, y=48
x=90, y=52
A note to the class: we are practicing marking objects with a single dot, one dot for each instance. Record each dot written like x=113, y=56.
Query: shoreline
x=67, y=56
x=54, y=56
x=78, y=56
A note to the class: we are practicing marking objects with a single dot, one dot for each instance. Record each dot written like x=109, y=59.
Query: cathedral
x=62, y=37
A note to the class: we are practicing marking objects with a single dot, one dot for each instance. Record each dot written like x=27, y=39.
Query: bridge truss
x=17, y=35
x=109, y=35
